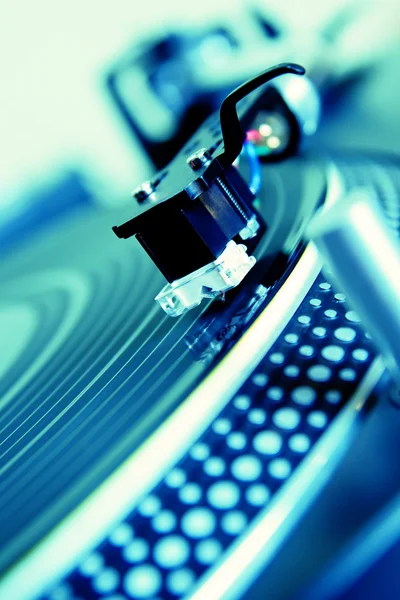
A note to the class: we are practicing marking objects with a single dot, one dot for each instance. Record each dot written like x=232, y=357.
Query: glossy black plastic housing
x=182, y=235
x=191, y=215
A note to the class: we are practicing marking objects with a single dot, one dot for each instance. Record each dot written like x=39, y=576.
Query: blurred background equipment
x=184, y=76
x=39, y=208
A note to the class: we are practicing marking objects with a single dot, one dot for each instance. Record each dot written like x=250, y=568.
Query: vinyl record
x=91, y=365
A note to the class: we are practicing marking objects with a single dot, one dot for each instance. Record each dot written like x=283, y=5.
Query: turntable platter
x=90, y=364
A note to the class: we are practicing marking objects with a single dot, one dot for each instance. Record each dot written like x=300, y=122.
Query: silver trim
x=251, y=554
x=366, y=272
x=88, y=524
x=302, y=98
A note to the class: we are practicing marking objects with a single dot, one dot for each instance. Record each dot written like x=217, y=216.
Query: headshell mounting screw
x=144, y=191
x=199, y=159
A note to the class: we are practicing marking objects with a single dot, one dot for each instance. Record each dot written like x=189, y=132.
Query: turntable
x=144, y=456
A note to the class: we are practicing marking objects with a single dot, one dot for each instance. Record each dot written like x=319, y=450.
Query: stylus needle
x=364, y=256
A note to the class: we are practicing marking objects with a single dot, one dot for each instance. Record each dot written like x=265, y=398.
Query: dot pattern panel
x=231, y=473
